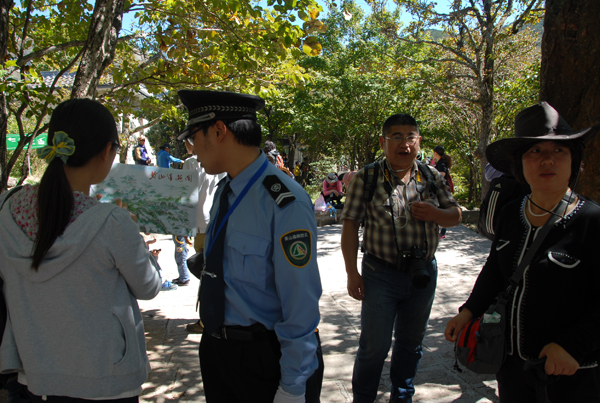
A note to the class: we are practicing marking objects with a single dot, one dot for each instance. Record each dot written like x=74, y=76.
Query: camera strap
x=387, y=183
x=421, y=186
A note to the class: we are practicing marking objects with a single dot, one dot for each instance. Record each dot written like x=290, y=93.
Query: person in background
x=443, y=163
x=332, y=189
x=552, y=315
x=72, y=269
x=297, y=172
x=348, y=176
x=140, y=154
x=181, y=254
x=164, y=159
x=273, y=160
x=491, y=173
x=271, y=149
x=259, y=297
x=207, y=186
x=149, y=239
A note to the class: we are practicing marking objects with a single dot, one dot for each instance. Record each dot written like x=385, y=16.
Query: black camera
x=413, y=261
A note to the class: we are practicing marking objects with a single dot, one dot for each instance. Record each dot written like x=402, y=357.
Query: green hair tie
x=62, y=146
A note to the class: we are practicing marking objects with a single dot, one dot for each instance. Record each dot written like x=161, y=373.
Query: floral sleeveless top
x=24, y=208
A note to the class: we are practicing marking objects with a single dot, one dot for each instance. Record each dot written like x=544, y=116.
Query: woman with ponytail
x=72, y=269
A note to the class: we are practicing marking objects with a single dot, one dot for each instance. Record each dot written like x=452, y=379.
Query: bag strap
x=554, y=217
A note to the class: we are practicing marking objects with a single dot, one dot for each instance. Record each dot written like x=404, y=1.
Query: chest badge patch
x=297, y=247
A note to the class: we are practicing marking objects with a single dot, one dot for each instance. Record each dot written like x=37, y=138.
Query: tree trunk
x=99, y=50
x=5, y=7
x=569, y=75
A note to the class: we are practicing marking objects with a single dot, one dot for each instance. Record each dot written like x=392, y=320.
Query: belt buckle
x=218, y=334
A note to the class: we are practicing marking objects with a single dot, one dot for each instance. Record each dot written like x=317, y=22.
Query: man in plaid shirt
x=399, y=270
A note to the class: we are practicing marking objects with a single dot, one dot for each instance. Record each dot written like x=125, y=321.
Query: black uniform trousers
x=248, y=371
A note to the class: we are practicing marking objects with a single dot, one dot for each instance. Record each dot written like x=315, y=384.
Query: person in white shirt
x=207, y=185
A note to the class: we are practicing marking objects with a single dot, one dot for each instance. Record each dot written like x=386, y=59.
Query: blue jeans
x=181, y=257
x=391, y=303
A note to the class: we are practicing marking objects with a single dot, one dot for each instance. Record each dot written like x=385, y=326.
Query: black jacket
x=559, y=298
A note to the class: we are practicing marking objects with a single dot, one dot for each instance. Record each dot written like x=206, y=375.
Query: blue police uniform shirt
x=270, y=269
x=164, y=159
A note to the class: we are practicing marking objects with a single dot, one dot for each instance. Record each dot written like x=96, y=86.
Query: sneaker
x=442, y=236
x=195, y=327
x=168, y=286
x=181, y=283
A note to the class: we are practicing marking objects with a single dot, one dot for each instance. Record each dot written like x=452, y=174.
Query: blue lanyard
x=233, y=206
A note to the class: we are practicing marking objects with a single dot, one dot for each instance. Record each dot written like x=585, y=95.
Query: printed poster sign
x=164, y=200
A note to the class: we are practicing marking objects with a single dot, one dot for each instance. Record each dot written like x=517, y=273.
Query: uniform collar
x=237, y=184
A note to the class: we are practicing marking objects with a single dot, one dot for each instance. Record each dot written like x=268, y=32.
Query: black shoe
x=181, y=283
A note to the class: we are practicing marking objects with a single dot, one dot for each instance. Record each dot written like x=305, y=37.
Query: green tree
x=463, y=63
x=221, y=44
x=354, y=88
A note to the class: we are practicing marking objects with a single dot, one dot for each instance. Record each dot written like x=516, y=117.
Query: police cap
x=203, y=106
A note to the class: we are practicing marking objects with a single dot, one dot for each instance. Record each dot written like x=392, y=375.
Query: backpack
x=372, y=172
x=133, y=154
x=503, y=190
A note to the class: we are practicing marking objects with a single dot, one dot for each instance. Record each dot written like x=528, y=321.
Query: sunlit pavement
x=173, y=351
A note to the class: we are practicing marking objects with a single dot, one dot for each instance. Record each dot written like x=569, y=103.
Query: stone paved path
x=174, y=352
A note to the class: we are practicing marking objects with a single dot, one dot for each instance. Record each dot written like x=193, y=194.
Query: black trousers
x=332, y=198
x=516, y=385
x=248, y=371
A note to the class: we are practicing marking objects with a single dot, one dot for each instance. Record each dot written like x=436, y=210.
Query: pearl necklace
x=539, y=215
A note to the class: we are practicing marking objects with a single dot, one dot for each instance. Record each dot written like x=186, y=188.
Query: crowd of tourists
x=74, y=267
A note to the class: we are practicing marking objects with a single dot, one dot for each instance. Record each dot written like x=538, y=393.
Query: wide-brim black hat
x=203, y=106
x=537, y=123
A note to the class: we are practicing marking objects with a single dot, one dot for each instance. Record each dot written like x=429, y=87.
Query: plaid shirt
x=378, y=233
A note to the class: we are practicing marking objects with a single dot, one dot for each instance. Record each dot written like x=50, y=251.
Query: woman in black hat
x=553, y=316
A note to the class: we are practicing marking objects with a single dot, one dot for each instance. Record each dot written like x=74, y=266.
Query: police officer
x=260, y=289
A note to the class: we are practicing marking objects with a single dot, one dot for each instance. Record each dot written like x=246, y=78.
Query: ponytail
x=448, y=160
x=55, y=203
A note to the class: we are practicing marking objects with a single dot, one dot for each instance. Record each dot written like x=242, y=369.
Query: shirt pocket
x=561, y=259
x=248, y=259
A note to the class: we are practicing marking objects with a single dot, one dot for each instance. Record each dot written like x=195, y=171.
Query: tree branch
x=23, y=60
x=520, y=20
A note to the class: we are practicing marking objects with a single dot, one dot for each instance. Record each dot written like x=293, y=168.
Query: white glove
x=283, y=397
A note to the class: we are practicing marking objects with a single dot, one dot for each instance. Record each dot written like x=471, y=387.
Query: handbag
x=195, y=264
x=481, y=345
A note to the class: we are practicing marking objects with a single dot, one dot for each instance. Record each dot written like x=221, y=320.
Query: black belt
x=381, y=261
x=242, y=333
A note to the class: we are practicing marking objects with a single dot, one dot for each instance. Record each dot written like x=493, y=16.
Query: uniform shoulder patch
x=280, y=193
x=297, y=247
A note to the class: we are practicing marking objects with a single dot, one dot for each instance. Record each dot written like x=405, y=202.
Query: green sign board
x=12, y=140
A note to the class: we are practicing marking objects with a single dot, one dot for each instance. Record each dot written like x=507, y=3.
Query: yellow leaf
x=311, y=46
